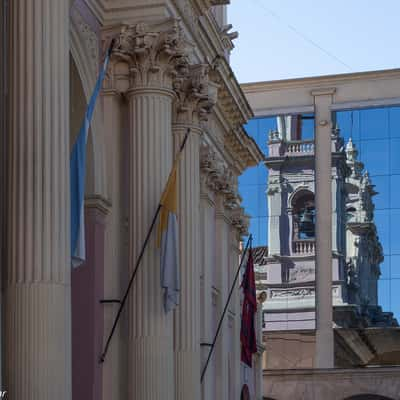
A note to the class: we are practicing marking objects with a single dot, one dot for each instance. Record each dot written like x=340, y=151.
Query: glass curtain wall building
x=279, y=196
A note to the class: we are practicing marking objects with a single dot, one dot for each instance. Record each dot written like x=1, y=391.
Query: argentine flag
x=78, y=173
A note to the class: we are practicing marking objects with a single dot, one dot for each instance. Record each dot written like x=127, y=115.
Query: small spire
x=351, y=150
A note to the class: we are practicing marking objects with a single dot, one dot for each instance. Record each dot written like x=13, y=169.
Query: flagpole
x=248, y=244
x=139, y=259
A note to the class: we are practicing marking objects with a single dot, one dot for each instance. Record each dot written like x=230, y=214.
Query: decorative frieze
x=296, y=293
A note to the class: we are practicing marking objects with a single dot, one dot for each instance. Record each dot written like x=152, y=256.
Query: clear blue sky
x=363, y=34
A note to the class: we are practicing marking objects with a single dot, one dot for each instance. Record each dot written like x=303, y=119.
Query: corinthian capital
x=196, y=94
x=240, y=221
x=153, y=51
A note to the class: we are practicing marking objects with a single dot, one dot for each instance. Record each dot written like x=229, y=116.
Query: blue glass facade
x=376, y=134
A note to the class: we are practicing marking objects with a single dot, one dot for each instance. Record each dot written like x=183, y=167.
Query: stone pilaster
x=37, y=287
x=152, y=53
x=192, y=105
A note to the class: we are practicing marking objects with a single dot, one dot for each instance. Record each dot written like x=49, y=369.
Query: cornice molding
x=318, y=81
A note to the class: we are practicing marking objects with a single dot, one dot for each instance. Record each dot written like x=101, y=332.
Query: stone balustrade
x=304, y=247
x=299, y=147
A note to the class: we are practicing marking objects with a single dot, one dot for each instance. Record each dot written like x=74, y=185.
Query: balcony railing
x=304, y=247
x=299, y=147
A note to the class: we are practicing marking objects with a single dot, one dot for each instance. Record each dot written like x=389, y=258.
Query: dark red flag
x=248, y=332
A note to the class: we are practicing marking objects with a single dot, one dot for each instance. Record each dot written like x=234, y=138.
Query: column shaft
x=151, y=368
x=323, y=201
x=37, y=284
x=208, y=272
x=187, y=316
x=222, y=265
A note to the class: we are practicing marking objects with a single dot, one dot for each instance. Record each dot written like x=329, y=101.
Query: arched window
x=303, y=207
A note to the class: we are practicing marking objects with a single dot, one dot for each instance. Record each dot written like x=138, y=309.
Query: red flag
x=247, y=332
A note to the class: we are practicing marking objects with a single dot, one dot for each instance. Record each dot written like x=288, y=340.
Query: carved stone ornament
x=228, y=37
x=90, y=40
x=302, y=274
x=218, y=177
x=295, y=292
x=209, y=166
x=154, y=52
x=240, y=221
x=196, y=95
x=274, y=185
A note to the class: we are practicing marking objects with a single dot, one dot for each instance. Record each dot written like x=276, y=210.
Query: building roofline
x=322, y=80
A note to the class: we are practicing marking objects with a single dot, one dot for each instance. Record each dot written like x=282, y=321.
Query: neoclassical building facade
x=169, y=71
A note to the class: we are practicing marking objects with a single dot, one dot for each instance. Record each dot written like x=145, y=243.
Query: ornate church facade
x=169, y=72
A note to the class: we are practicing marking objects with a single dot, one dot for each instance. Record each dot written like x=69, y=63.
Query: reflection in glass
x=372, y=240
x=365, y=243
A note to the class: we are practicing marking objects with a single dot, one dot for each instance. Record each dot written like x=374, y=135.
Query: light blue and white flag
x=78, y=173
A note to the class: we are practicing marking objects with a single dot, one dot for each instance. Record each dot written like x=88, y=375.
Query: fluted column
x=222, y=264
x=37, y=284
x=207, y=242
x=151, y=51
x=192, y=105
x=187, y=315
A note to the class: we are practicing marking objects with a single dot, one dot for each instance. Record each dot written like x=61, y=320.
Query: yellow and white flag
x=168, y=237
